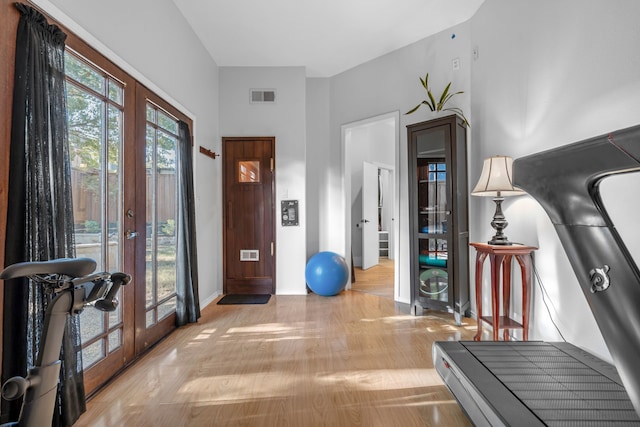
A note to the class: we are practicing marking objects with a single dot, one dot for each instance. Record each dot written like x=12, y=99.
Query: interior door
x=249, y=216
x=369, y=221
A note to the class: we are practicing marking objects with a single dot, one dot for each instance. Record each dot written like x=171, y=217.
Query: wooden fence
x=87, y=203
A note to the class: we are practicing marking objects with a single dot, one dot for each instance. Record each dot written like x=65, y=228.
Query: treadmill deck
x=533, y=383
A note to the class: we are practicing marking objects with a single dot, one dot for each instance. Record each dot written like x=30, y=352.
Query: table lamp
x=496, y=181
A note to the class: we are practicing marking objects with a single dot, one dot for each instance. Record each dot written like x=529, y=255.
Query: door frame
x=225, y=218
x=346, y=191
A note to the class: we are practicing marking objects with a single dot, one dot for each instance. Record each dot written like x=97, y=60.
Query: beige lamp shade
x=496, y=178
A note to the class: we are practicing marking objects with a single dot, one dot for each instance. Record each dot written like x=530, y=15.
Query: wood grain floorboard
x=377, y=280
x=351, y=360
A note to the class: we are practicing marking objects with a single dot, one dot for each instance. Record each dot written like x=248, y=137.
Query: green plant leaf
x=432, y=104
x=443, y=97
x=448, y=97
x=418, y=106
x=454, y=109
x=413, y=110
x=460, y=113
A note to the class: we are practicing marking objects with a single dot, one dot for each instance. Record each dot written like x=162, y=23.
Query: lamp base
x=499, y=240
x=499, y=223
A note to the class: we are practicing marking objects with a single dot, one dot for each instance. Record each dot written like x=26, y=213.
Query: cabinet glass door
x=432, y=228
x=432, y=205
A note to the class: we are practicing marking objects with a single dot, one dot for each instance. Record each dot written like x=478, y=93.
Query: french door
x=157, y=196
x=99, y=135
x=123, y=151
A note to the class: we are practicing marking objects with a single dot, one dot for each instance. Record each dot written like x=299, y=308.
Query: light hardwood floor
x=377, y=280
x=351, y=360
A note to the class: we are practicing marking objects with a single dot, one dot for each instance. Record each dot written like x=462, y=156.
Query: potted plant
x=440, y=105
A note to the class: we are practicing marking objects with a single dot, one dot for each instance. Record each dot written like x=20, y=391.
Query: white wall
x=176, y=66
x=385, y=84
x=550, y=73
x=286, y=120
x=318, y=114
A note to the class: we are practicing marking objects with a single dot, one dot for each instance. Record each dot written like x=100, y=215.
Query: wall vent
x=249, y=255
x=263, y=96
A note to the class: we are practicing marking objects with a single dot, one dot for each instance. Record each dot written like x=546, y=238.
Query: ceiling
x=325, y=36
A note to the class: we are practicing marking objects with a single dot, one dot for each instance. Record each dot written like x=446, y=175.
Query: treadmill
x=557, y=384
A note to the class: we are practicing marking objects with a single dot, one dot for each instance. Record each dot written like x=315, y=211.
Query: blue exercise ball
x=326, y=273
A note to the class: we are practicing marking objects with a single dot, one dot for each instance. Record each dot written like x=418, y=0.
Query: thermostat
x=289, y=212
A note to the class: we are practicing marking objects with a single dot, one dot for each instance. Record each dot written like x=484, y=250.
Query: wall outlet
x=456, y=64
x=475, y=52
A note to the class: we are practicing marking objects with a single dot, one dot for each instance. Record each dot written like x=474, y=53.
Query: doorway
x=375, y=238
x=370, y=152
x=249, y=215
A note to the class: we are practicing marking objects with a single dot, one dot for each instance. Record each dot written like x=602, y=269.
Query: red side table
x=500, y=257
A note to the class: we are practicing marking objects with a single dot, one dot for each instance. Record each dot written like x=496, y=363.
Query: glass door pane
x=432, y=204
x=161, y=208
x=95, y=120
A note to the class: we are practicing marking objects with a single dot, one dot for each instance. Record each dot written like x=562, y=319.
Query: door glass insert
x=161, y=202
x=432, y=216
x=433, y=258
x=432, y=222
x=249, y=171
x=432, y=196
x=95, y=123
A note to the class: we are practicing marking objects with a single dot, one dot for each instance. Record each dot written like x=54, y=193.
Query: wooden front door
x=249, y=224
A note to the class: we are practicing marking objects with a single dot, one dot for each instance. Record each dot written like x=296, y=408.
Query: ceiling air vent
x=263, y=96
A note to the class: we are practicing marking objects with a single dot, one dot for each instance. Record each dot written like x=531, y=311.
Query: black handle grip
x=110, y=302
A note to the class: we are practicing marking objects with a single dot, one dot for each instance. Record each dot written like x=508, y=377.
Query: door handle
x=129, y=234
x=364, y=220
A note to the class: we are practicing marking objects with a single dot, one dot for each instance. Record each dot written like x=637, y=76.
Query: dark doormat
x=244, y=299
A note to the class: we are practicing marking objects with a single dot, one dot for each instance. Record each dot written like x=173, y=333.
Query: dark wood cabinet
x=438, y=216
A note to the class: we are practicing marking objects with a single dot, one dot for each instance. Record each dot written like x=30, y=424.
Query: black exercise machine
x=72, y=287
x=539, y=383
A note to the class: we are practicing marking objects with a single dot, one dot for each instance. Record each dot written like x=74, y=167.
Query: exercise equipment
x=567, y=386
x=72, y=286
x=326, y=273
x=434, y=282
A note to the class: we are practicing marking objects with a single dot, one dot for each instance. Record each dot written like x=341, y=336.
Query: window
x=249, y=171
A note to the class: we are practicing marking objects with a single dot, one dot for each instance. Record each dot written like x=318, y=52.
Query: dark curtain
x=188, y=305
x=40, y=211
